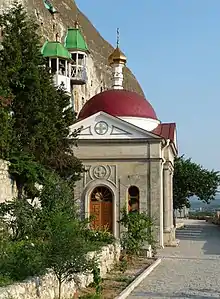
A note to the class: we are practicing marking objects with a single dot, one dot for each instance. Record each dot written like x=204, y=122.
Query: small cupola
x=117, y=57
x=76, y=45
x=117, y=60
x=58, y=59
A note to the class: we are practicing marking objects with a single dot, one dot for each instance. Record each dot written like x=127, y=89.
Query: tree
x=191, y=179
x=51, y=237
x=139, y=231
x=65, y=235
x=41, y=117
x=5, y=125
x=66, y=249
x=27, y=173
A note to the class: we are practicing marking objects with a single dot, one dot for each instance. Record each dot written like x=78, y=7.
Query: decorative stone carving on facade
x=86, y=131
x=100, y=172
x=118, y=131
x=101, y=128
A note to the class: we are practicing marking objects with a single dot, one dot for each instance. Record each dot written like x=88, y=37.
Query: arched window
x=101, y=194
x=133, y=199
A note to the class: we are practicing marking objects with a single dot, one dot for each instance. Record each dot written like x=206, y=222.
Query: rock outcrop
x=99, y=73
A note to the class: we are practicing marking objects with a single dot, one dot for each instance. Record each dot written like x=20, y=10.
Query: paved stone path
x=191, y=270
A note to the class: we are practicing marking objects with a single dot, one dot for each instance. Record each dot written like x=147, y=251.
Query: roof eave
x=57, y=56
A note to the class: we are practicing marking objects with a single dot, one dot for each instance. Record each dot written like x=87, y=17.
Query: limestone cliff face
x=99, y=73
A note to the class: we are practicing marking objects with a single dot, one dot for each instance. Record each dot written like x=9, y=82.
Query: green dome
x=75, y=40
x=55, y=49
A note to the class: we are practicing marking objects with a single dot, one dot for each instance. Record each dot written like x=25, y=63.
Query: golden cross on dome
x=118, y=37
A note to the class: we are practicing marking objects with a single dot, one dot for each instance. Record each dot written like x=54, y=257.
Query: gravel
x=191, y=270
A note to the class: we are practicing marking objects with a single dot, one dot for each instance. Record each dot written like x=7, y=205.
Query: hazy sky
x=173, y=48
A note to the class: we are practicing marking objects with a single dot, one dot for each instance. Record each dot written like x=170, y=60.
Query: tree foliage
x=66, y=248
x=27, y=173
x=5, y=124
x=191, y=179
x=41, y=114
x=35, y=138
x=46, y=236
x=138, y=232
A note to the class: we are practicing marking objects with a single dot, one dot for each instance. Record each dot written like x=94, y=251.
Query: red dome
x=118, y=103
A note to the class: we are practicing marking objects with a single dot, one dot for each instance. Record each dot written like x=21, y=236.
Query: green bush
x=200, y=215
x=99, y=236
x=21, y=259
x=139, y=231
x=5, y=280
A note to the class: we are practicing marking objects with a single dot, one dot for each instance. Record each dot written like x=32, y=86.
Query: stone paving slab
x=191, y=270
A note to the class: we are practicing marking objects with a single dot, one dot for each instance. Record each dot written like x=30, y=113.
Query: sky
x=173, y=48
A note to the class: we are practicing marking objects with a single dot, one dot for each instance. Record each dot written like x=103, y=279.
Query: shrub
x=21, y=259
x=99, y=236
x=138, y=232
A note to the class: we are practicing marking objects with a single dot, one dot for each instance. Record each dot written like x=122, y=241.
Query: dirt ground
x=117, y=280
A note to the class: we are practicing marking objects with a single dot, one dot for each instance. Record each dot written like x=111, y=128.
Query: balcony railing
x=78, y=73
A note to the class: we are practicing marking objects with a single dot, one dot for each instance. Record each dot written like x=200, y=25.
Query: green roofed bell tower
x=77, y=47
x=58, y=59
x=74, y=39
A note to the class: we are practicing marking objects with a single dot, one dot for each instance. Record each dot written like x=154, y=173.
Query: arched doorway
x=133, y=199
x=101, y=207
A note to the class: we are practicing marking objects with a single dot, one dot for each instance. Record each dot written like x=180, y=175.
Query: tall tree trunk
x=59, y=288
x=20, y=189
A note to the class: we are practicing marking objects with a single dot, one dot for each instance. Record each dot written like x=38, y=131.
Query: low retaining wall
x=46, y=287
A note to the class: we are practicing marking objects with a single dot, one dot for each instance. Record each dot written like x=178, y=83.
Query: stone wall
x=7, y=186
x=47, y=286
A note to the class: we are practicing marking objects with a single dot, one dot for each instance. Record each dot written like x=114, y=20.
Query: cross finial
x=118, y=37
x=76, y=23
x=57, y=37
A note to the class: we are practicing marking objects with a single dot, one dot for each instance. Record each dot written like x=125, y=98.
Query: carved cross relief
x=101, y=128
x=99, y=172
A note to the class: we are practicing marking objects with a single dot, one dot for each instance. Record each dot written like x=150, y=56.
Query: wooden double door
x=101, y=208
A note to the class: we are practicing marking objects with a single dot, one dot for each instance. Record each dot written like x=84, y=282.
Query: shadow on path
x=207, y=233
x=191, y=270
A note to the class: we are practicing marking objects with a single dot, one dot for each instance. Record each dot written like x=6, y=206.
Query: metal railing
x=78, y=72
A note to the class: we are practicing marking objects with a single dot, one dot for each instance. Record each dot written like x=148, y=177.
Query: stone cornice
x=122, y=159
x=121, y=141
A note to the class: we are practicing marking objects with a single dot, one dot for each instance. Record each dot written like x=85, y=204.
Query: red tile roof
x=166, y=131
